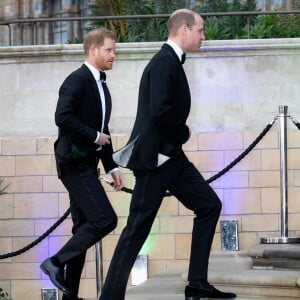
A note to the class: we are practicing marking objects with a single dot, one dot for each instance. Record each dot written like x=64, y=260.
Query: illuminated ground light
x=139, y=272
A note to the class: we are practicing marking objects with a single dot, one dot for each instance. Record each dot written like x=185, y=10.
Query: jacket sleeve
x=164, y=105
x=106, y=158
x=70, y=94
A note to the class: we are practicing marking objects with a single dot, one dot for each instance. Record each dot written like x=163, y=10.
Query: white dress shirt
x=96, y=75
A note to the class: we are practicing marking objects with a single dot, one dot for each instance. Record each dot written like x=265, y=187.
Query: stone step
x=235, y=271
x=228, y=271
x=171, y=287
x=259, y=282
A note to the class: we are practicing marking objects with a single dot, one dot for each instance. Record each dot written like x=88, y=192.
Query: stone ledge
x=147, y=49
x=275, y=250
x=282, y=256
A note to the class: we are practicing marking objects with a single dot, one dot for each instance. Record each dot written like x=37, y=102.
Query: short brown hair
x=96, y=37
x=178, y=18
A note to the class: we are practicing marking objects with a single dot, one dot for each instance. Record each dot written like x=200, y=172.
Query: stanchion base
x=279, y=240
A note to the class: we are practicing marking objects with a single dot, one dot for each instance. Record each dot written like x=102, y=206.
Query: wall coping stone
x=218, y=47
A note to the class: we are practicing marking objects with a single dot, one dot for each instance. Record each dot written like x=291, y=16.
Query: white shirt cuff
x=113, y=170
x=98, y=135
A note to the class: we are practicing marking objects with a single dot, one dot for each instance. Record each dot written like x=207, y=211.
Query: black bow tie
x=183, y=58
x=102, y=76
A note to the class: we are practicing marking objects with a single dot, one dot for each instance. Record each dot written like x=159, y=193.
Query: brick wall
x=250, y=193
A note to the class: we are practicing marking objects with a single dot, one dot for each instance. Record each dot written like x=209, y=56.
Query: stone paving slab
x=171, y=287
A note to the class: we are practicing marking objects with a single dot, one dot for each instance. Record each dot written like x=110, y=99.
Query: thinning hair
x=97, y=37
x=178, y=18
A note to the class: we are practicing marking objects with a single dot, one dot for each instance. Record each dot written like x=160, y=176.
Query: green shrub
x=214, y=29
x=284, y=26
x=75, y=40
x=136, y=30
x=4, y=295
x=2, y=189
x=261, y=29
x=229, y=27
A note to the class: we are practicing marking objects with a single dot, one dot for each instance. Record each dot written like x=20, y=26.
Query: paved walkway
x=171, y=287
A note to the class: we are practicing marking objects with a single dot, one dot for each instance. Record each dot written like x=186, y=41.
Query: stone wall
x=237, y=87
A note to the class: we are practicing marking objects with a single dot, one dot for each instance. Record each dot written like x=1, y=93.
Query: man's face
x=195, y=35
x=104, y=55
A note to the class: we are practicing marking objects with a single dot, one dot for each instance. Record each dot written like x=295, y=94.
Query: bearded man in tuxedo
x=82, y=116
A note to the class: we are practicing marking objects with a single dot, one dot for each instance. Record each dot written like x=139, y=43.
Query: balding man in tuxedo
x=154, y=153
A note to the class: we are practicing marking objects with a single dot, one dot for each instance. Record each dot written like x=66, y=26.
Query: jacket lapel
x=107, y=104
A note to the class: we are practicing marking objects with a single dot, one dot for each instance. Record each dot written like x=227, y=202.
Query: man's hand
x=118, y=180
x=103, y=139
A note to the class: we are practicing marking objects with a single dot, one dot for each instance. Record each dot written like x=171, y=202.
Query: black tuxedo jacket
x=163, y=107
x=79, y=116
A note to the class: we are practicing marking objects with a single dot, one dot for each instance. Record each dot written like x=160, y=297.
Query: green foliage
x=4, y=295
x=230, y=27
x=278, y=26
x=75, y=40
x=111, y=8
x=2, y=189
x=216, y=27
x=137, y=30
x=213, y=6
x=153, y=29
x=260, y=30
x=236, y=27
x=286, y=25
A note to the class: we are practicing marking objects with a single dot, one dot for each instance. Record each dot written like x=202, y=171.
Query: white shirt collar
x=176, y=48
x=95, y=72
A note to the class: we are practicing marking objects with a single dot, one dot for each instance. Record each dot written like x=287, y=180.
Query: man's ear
x=92, y=50
x=184, y=29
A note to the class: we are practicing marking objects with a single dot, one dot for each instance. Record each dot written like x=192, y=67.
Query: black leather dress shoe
x=195, y=293
x=56, y=275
